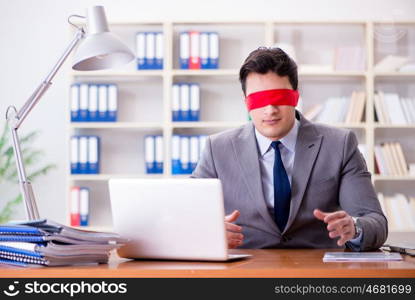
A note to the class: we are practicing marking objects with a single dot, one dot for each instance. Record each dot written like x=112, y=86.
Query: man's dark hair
x=263, y=60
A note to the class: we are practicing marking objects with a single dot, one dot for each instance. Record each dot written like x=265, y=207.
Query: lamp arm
x=15, y=119
x=35, y=97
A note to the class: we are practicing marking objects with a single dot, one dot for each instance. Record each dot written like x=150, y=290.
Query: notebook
x=44, y=242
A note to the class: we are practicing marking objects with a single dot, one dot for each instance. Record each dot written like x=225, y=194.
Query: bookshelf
x=145, y=96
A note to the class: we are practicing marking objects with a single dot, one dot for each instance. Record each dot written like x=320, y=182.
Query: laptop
x=174, y=219
x=403, y=248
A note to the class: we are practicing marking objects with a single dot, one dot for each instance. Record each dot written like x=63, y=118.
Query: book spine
x=149, y=150
x=140, y=50
x=83, y=102
x=194, y=102
x=159, y=154
x=75, y=103
x=112, y=102
x=175, y=156
x=184, y=50
x=74, y=207
x=194, y=50
x=84, y=206
x=93, y=103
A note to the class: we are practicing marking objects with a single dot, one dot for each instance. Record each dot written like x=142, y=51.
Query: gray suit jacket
x=329, y=174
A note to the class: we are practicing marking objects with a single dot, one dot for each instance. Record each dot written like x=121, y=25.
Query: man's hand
x=339, y=224
x=233, y=231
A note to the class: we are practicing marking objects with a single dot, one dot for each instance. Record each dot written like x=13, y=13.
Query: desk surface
x=264, y=263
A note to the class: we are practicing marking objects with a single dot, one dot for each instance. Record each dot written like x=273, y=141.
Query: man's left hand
x=339, y=224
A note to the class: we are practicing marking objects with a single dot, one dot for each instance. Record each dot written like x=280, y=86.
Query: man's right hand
x=233, y=231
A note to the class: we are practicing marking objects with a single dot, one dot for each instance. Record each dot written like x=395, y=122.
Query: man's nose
x=270, y=109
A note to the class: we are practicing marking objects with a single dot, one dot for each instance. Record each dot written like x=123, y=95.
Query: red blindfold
x=272, y=97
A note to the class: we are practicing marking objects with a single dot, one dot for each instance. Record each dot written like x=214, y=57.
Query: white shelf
x=150, y=125
x=333, y=73
x=216, y=72
x=116, y=125
x=235, y=72
x=180, y=176
x=387, y=126
x=105, y=177
x=393, y=178
x=320, y=22
x=207, y=124
x=136, y=73
x=394, y=74
x=396, y=22
x=349, y=125
x=238, y=124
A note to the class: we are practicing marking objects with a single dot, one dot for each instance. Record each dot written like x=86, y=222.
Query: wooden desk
x=264, y=263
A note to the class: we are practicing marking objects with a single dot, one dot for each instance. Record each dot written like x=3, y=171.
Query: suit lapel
x=245, y=148
x=306, y=151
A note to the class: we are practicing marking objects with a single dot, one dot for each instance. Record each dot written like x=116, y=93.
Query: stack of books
x=390, y=159
x=400, y=211
x=392, y=109
x=199, y=50
x=44, y=242
x=339, y=110
x=85, y=154
x=94, y=102
x=186, y=102
x=150, y=52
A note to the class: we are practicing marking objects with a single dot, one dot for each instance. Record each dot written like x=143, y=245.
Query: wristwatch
x=357, y=227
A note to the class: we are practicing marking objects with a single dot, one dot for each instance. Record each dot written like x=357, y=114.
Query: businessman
x=287, y=182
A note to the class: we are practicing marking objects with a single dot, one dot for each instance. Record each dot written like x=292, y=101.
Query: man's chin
x=271, y=133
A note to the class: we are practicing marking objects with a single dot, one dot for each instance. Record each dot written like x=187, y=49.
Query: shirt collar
x=288, y=141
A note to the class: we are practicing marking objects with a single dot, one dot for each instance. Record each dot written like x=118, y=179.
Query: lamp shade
x=100, y=49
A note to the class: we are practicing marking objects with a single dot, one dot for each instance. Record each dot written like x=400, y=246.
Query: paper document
x=360, y=256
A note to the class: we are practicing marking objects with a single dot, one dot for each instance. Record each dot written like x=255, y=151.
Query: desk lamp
x=99, y=50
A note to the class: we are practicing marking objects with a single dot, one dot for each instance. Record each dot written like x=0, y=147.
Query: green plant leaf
x=42, y=171
x=8, y=169
x=7, y=211
x=9, y=151
x=32, y=157
x=4, y=137
x=28, y=138
x=6, y=165
x=29, y=160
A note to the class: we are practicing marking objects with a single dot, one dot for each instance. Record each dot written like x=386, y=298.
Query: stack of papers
x=44, y=242
x=360, y=256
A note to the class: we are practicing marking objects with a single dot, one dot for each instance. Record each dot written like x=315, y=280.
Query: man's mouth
x=271, y=121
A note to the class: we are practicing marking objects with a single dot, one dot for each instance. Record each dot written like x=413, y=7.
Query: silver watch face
x=358, y=229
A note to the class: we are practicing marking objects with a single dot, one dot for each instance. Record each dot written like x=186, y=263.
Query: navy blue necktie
x=282, y=189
